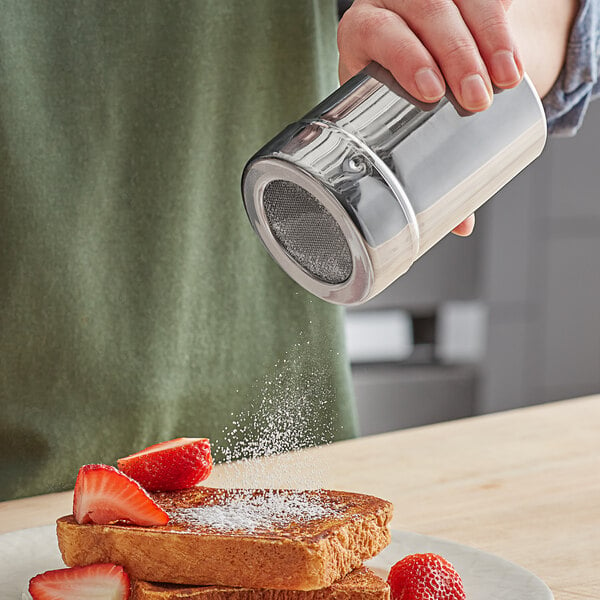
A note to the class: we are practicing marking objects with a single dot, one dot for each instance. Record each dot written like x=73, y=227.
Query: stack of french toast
x=149, y=531
x=313, y=549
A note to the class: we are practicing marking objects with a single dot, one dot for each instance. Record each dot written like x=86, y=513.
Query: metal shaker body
x=349, y=196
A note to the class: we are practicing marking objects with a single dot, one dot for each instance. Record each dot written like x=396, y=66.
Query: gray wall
x=532, y=269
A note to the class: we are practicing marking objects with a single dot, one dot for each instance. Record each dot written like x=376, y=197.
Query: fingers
x=441, y=28
x=489, y=26
x=425, y=43
x=465, y=228
x=384, y=36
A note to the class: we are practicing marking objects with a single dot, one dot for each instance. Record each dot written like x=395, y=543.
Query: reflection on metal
x=395, y=174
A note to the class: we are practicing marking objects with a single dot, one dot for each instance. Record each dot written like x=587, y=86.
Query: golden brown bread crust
x=292, y=556
x=360, y=584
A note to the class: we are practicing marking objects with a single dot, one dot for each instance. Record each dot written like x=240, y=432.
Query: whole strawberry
x=425, y=577
x=172, y=465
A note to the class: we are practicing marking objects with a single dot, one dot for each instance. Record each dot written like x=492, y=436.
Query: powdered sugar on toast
x=255, y=511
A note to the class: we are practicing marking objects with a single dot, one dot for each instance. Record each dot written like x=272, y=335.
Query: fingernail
x=475, y=95
x=429, y=84
x=504, y=68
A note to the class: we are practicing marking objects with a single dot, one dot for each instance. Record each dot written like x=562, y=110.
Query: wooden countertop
x=523, y=484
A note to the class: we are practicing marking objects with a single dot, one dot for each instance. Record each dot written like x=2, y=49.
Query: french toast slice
x=360, y=584
x=275, y=539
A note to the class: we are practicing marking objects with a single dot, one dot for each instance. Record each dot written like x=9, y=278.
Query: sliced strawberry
x=173, y=465
x=104, y=495
x=99, y=581
x=425, y=577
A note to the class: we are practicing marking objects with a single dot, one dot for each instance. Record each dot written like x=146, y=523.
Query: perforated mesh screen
x=307, y=231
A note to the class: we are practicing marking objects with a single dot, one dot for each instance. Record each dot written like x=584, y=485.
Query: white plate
x=485, y=576
x=27, y=552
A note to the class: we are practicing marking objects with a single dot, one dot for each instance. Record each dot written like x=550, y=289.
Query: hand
x=426, y=43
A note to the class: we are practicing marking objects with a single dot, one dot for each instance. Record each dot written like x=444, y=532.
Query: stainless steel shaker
x=349, y=196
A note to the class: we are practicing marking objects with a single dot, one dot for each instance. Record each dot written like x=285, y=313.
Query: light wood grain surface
x=523, y=484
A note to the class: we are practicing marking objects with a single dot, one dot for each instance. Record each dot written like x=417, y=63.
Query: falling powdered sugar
x=292, y=410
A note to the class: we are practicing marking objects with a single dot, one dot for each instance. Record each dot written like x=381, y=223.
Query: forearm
x=541, y=29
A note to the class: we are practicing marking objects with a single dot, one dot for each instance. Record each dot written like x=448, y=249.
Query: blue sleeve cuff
x=577, y=84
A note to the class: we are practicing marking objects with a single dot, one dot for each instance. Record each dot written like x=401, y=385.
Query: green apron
x=136, y=303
